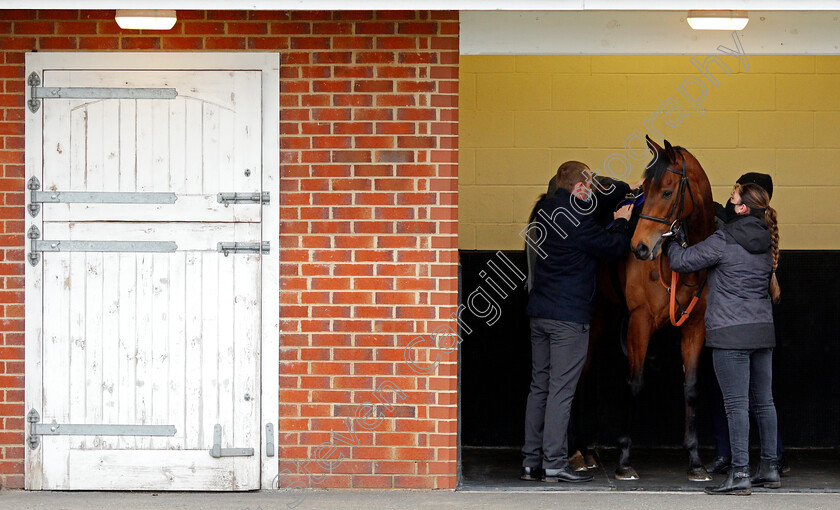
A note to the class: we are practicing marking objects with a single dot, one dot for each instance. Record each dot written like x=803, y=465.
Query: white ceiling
x=650, y=32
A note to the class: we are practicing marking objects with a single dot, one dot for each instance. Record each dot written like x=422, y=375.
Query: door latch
x=228, y=248
x=217, y=451
x=243, y=198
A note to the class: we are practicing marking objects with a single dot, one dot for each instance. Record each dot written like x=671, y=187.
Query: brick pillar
x=369, y=237
x=369, y=125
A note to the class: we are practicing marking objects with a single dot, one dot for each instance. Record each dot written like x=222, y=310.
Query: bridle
x=676, y=212
x=678, y=207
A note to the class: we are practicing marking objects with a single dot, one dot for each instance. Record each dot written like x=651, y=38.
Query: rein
x=676, y=211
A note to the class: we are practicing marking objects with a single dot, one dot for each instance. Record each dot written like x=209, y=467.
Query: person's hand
x=676, y=234
x=624, y=212
x=679, y=236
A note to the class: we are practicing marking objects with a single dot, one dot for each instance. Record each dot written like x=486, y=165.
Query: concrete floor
x=490, y=481
x=414, y=500
x=659, y=470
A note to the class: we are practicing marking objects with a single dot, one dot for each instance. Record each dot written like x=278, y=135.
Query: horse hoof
x=699, y=474
x=577, y=462
x=626, y=473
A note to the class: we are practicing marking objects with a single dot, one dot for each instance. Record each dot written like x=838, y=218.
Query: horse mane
x=658, y=166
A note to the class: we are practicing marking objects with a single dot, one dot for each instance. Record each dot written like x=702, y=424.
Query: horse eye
x=667, y=193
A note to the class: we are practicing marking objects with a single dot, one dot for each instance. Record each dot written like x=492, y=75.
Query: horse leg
x=586, y=424
x=693, y=334
x=638, y=338
x=575, y=436
x=582, y=407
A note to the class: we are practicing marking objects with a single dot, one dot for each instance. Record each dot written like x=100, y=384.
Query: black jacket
x=565, y=281
x=739, y=312
x=610, y=193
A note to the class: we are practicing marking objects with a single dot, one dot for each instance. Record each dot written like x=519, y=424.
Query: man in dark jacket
x=560, y=306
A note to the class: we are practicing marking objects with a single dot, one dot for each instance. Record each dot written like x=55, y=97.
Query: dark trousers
x=720, y=427
x=746, y=381
x=558, y=353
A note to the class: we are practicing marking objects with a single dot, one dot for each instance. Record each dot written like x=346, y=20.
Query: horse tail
x=533, y=215
x=530, y=254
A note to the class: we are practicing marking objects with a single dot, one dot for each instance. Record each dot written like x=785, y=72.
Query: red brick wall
x=368, y=234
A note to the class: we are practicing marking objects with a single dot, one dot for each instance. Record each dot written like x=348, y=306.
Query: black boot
x=532, y=474
x=784, y=467
x=720, y=465
x=767, y=475
x=737, y=483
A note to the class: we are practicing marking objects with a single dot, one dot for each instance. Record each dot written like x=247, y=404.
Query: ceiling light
x=138, y=19
x=717, y=20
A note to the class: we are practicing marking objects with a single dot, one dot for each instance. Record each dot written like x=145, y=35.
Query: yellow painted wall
x=521, y=116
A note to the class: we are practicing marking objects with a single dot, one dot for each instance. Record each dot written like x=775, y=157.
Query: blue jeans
x=746, y=380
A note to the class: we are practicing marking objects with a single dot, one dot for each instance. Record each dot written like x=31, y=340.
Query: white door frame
x=269, y=65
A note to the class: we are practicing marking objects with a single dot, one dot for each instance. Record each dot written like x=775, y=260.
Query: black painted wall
x=495, y=364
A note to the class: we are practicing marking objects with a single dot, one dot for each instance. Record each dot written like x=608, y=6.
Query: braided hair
x=757, y=199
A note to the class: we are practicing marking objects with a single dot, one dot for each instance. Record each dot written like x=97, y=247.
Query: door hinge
x=217, y=451
x=36, y=198
x=37, y=92
x=36, y=430
x=34, y=257
x=243, y=198
x=37, y=246
x=228, y=248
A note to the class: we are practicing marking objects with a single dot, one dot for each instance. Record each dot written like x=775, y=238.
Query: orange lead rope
x=672, y=290
x=687, y=311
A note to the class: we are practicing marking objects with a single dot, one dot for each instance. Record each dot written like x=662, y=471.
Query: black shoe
x=784, y=467
x=566, y=474
x=532, y=474
x=767, y=475
x=736, y=484
x=720, y=465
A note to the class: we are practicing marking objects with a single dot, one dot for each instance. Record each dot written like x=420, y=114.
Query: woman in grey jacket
x=742, y=257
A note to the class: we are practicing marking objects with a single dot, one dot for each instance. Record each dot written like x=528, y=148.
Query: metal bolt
x=247, y=397
x=247, y=172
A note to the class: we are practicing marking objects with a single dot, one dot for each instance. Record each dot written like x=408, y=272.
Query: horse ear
x=654, y=148
x=670, y=153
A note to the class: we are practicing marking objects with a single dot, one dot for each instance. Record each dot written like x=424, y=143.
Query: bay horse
x=677, y=192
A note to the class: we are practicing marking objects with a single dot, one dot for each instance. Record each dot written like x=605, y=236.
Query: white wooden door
x=143, y=338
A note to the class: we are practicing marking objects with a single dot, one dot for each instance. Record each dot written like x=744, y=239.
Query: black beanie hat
x=763, y=180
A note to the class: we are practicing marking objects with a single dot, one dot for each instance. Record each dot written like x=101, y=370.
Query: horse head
x=677, y=191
